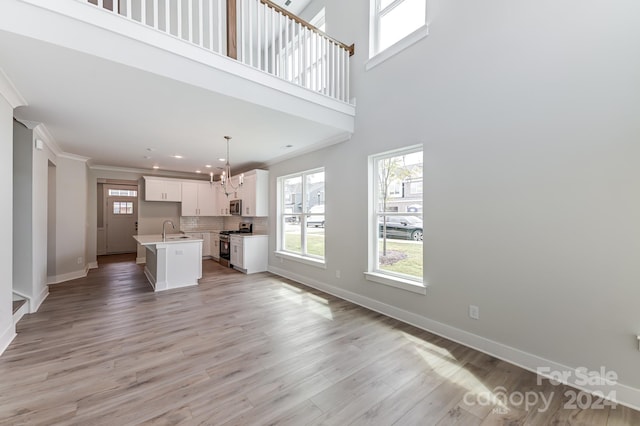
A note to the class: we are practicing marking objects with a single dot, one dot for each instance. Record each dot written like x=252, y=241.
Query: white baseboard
x=625, y=395
x=17, y=316
x=93, y=265
x=7, y=337
x=57, y=279
x=37, y=302
x=141, y=260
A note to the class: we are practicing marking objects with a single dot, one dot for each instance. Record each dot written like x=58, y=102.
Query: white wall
x=528, y=112
x=7, y=329
x=71, y=218
x=30, y=198
x=22, y=209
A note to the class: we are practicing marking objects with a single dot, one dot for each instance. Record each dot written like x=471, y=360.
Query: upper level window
x=301, y=200
x=394, y=20
x=396, y=218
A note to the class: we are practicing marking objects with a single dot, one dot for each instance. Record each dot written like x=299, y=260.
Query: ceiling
x=116, y=115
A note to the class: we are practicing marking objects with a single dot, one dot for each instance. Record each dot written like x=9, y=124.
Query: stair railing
x=258, y=33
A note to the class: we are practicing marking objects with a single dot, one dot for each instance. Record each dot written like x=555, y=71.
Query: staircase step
x=17, y=304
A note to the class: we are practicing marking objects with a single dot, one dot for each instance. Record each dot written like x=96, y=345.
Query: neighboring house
x=527, y=113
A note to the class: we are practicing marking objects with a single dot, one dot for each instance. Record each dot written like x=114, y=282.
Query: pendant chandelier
x=225, y=178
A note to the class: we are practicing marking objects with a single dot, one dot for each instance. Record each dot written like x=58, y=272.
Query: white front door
x=122, y=216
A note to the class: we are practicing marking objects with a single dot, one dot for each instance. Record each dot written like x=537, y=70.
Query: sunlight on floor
x=311, y=302
x=442, y=362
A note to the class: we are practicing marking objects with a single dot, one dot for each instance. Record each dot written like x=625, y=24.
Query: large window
x=396, y=220
x=301, y=220
x=393, y=20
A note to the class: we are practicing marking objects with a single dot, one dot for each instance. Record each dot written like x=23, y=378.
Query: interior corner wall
x=71, y=219
x=7, y=329
x=22, y=209
x=529, y=121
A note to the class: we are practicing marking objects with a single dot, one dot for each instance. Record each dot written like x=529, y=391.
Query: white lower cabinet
x=206, y=242
x=249, y=253
x=215, y=245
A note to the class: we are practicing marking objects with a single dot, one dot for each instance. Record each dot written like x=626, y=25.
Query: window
x=122, y=193
x=301, y=215
x=393, y=20
x=396, y=218
x=122, y=207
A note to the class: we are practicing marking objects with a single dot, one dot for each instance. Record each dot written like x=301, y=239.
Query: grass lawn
x=315, y=243
x=404, y=257
x=410, y=265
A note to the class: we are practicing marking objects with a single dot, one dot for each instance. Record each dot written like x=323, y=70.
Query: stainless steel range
x=225, y=249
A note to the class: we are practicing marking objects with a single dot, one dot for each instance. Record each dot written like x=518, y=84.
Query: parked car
x=403, y=227
x=317, y=217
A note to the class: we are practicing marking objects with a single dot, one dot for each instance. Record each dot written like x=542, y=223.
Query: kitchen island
x=173, y=262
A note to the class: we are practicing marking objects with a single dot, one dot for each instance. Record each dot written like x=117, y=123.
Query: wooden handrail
x=350, y=49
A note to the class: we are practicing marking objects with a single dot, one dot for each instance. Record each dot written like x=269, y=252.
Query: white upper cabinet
x=255, y=193
x=222, y=202
x=198, y=199
x=156, y=189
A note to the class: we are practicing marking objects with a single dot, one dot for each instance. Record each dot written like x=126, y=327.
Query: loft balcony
x=86, y=67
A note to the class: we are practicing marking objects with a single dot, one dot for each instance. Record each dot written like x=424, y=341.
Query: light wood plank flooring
x=250, y=350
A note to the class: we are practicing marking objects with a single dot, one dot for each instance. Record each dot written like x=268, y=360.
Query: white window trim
x=408, y=285
x=307, y=260
x=280, y=252
x=397, y=47
x=418, y=286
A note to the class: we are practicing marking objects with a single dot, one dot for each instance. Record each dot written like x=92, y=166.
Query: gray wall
x=7, y=330
x=22, y=209
x=528, y=114
x=71, y=217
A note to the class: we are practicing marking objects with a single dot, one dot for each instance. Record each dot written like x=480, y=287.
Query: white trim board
x=625, y=395
x=7, y=337
x=57, y=279
x=37, y=301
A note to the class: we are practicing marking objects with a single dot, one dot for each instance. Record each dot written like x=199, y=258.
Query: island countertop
x=153, y=239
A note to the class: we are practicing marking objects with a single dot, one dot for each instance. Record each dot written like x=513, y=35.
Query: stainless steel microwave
x=235, y=207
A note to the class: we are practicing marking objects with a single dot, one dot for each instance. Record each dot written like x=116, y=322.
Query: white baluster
x=250, y=27
x=179, y=17
x=219, y=26
x=347, y=78
x=281, y=43
x=274, y=16
x=190, y=21
x=100, y=4
x=332, y=88
x=300, y=52
x=200, y=24
x=242, y=31
x=318, y=62
x=128, y=9
x=286, y=49
x=155, y=14
x=143, y=11
x=167, y=16
x=259, y=33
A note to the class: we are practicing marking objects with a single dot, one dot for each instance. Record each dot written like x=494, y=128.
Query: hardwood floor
x=251, y=350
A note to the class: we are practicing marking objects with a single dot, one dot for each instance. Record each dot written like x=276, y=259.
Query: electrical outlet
x=474, y=312
x=79, y=260
x=337, y=273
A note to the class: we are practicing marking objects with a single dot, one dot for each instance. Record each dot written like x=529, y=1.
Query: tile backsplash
x=199, y=223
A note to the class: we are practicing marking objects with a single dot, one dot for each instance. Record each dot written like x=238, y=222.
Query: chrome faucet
x=164, y=231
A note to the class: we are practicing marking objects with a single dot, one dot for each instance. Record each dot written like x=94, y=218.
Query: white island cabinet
x=249, y=253
x=172, y=263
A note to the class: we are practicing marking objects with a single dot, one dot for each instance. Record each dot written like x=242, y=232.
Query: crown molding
x=9, y=92
x=147, y=172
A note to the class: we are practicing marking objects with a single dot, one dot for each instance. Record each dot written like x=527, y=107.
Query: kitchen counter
x=172, y=263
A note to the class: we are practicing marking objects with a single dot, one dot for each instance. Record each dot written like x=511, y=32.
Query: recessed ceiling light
x=288, y=146
x=177, y=156
x=146, y=157
x=198, y=171
x=150, y=149
x=156, y=167
x=208, y=166
x=222, y=159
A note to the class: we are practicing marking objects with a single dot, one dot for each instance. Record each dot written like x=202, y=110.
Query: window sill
x=398, y=47
x=302, y=259
x=400, y=283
